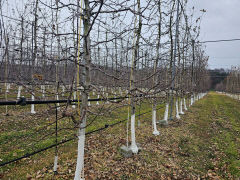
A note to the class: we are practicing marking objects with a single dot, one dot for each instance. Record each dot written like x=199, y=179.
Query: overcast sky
x=221, y=21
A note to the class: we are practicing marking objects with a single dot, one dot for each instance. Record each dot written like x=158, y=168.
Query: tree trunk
x=86, y=87
x=134, y=147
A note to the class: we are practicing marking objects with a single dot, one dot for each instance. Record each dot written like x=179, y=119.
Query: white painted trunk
x=177, y=112
x=184, y=103
x=181, y=107
x=43, y=91
x=19, y=92
x=166, y=112
x=154, y=115
x=89, y=103
x=194, y=99
x=7, y=88
x=79, y=175
x=133, y=146
x=55, y=164
x=58, y=105
x=74, y=97
x=97, y=101
x=32, y=105
x=139, y=123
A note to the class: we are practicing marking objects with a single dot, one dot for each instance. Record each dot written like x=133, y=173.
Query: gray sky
x=221, y=21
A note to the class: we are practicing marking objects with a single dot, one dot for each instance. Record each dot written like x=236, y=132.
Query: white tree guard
x=79, y=173
x=97, y=101
x=19, y=92
x=177, y=112
x=191, y=103
x=166, y=113
x=181, y=107
x=133, y=146
x=139, y=123
x=58, y=105
x=32, y=105
x=154, y=115
x=194, y=98
x=89, y=103
x=55, y=164
x=184, y=103
x=7, y=87
x=74, y=97
x=43, y=91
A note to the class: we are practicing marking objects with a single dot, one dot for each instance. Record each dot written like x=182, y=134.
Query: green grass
x=20, y=130
x=215, y=133
x=205, y=143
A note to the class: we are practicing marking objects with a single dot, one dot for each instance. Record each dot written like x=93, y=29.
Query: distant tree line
x=217, y=77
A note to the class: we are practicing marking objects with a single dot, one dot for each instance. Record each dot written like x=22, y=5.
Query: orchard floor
x=204, y=144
